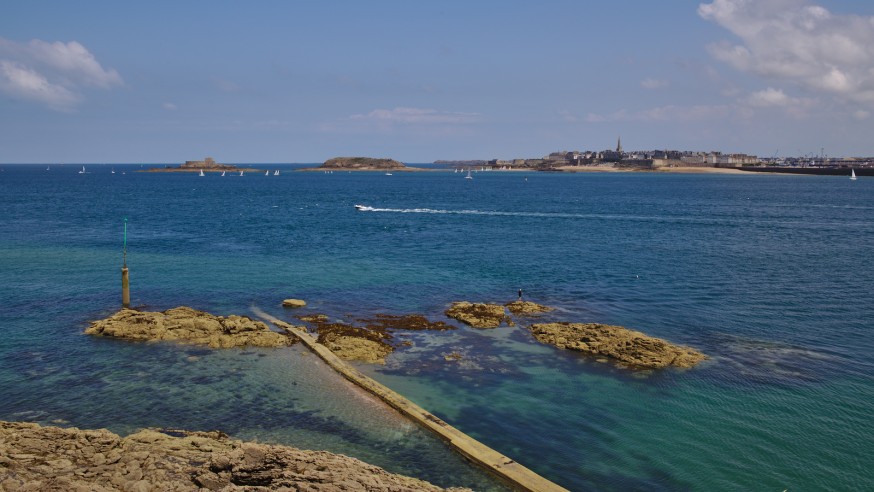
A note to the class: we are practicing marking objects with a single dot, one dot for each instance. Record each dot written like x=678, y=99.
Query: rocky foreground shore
x=33, y=457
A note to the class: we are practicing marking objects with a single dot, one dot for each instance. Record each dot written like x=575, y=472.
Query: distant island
x=363, y=164
x=208, y=164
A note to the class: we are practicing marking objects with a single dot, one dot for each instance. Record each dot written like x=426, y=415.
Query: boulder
x=293, y=303
x=478, y=315
x=189, y=325
x=629, y=347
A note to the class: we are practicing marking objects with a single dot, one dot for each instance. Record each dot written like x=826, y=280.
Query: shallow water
x=767, y=274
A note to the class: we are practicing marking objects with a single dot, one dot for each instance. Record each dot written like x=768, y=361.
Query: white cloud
x=650, y=83
x=23, y=83
x=797, y=42
x=169, y=106
x=665, y=113
x=769, y=97
x=53, y=74
x=402, y=115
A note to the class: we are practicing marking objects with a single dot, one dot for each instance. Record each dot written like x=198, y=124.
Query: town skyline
x=277, y=82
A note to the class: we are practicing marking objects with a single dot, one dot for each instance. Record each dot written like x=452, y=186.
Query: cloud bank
x=402, y=115
x=797, y=42
x=53, y=74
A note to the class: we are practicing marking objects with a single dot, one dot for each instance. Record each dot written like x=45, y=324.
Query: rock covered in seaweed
x=372, y=340
x=353, y=343
x=33, y=457
x=627, y=346
x=189, y=325
x=478, y=315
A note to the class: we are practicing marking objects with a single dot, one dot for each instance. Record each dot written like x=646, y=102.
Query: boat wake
x=668, y=218
x=558, y=215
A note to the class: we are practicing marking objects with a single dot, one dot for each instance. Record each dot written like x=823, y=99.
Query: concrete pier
x=511, y=472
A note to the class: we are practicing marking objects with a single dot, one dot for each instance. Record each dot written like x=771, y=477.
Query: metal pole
x=125, y=280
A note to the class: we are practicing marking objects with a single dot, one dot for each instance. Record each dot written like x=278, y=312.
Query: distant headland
x=208, y=164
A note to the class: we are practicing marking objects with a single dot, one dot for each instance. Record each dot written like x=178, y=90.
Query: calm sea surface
x=770, y=275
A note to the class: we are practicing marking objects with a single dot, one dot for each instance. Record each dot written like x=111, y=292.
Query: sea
x=769, y=275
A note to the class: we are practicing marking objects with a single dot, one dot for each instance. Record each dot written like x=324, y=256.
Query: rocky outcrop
x=57, y=459
x=189, y=325
x=362, y=163
x=527, y=308
x=373, y=339
x=293, y=303
x=629, y=347
x=478, y=315
x=353, y=343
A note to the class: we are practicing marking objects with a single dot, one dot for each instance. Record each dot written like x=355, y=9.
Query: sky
x=417, y=81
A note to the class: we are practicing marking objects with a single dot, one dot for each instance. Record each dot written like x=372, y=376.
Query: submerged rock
x=52, y=458
x=189, y=325
x=628, y=346
x=478, y=315
x=524, y=308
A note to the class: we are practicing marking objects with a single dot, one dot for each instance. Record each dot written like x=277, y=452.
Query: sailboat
x=468, y=174
x=276, y=172
x=82, y=171
x=266, y=173
x=241, y=173
x=223, y=173
x=113, y=170
x=852, y=175
x=201, y=173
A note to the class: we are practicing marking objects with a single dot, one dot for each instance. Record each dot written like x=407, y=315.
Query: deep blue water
x=769, y=275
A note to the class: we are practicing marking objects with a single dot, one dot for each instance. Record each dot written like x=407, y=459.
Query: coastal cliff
x=362, y=164
x=33, y=457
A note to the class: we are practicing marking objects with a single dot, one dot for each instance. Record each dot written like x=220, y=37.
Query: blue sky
x=283, y=81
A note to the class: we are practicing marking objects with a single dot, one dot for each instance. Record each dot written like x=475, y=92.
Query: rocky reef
x=527, y=308
x=369, y=339
x=189, y=325
x=362, y=164
x=478, y=315
x=33, y=457
x=629, y=347
x=353, y=343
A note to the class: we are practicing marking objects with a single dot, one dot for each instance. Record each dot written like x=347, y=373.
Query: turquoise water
x=767, y=274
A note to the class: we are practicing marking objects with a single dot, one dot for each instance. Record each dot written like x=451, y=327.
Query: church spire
x=619, y=145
